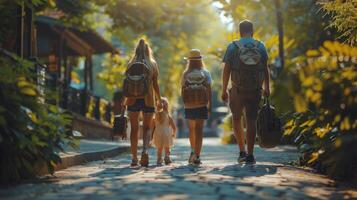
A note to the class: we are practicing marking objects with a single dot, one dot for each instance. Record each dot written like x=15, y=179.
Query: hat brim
x=193, y=58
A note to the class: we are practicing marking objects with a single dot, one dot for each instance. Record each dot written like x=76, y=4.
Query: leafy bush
x=326, y=126
x=227, y=126
x=32, y=133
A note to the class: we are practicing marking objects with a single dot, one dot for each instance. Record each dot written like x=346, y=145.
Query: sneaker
x=250, y=160
x=144, y=161
x=242, y=157
x=167, y=160
x=197, y=160
x=159, y=161
x=190, y=159
x=134, y=162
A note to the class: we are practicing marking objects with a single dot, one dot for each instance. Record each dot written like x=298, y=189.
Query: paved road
x=219, y=177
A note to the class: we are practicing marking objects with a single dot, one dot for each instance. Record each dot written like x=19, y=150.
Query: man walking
x=246, y=64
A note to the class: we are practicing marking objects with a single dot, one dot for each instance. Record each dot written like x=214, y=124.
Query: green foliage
x=32, y=133
x=171, y=29
x=227, y=136
x=112, y=74
x=227, y=123
x=343, y=18
x=326, y=127
x=227, y=126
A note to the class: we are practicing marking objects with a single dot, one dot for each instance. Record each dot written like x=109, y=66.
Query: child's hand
x=174, y=133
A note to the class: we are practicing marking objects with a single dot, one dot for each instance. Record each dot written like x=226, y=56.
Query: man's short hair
x=245, y=27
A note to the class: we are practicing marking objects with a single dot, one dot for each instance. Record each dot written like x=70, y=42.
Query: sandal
x=167, y=160
x=197, y=161
x=159, y=161
x=144, y=161
x=134, y=162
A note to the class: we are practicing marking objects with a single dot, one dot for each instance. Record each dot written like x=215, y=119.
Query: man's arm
x=266, y=80
x=225, y=79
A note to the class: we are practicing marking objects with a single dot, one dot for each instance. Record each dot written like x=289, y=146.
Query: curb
x=81, y=158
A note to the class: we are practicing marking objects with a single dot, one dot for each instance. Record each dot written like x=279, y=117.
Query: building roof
x=50, y=31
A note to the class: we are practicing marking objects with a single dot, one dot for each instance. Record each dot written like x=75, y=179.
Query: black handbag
x=120, y=126
x=269, y=128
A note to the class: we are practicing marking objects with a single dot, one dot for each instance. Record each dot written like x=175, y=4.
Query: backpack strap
x=256, y=43
x=238, y=44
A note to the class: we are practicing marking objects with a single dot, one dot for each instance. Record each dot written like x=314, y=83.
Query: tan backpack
x=195, y=88
x=248, y=73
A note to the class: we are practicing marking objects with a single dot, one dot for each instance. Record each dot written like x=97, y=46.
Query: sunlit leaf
x=24, y=84
x=28, y=91
x=312, y=53
x=314, y=157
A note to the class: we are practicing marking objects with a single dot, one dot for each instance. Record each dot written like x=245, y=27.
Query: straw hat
x=195, y=54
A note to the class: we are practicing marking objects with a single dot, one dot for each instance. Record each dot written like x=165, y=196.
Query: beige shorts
x=239, y=101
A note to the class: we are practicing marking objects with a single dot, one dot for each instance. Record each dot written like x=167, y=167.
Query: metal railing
x=84, y=103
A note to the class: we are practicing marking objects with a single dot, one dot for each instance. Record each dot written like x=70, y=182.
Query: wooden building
x=56, y=42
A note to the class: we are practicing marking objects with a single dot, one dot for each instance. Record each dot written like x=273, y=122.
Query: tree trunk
x=20, y=31
x=280, y=31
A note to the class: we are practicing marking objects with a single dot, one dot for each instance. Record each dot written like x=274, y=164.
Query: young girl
x=165, y=130
x=196, y=93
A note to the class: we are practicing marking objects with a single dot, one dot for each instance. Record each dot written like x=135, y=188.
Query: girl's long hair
x=142, y=53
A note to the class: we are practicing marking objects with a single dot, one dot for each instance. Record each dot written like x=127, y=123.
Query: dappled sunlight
x=66, y=94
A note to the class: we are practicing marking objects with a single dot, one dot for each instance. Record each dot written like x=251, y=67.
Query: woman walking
x=196, y=93
x=142, y=95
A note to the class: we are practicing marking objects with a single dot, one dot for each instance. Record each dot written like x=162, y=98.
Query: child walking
x=165, y=130
x=196, y=95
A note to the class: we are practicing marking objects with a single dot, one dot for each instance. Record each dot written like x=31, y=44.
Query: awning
x=50, y=30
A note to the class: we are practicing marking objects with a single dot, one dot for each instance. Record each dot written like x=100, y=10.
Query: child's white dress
x=163, y=132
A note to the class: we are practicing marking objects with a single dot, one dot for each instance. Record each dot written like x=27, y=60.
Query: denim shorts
x=139, y=105
x=196, y=113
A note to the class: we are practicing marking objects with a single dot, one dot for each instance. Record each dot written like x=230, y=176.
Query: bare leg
x=167, y=151
x=192, y=134
x=167, y=158
x=147, y=127
x=199, y=136
x=251, y=131
x=159, y=152
x=238, y=132
x=134, y=123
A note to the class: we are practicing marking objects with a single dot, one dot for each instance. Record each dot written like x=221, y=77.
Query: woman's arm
x=173, y=125
x=156, y=87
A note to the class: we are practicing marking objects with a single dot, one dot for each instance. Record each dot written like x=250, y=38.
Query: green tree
x=172, y=29
x=344, y=14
